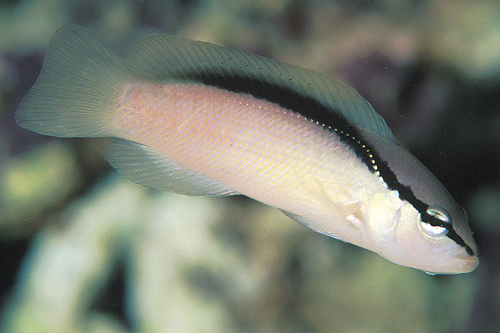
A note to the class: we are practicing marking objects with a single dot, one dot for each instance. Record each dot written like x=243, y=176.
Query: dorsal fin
x=166, y=58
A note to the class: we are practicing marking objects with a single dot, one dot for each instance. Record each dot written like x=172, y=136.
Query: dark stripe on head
x=452, y=234
x=312, y=109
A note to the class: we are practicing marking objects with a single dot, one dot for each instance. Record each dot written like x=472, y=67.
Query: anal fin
x=145, y=166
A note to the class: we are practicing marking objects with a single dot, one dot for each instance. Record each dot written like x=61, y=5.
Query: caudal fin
x=77, y=89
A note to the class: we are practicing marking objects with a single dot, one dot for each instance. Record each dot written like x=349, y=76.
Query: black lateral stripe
x=302, y=104
x=312, y=109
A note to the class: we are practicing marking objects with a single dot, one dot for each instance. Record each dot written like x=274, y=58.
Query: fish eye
x=434, y=231
x=439, y=214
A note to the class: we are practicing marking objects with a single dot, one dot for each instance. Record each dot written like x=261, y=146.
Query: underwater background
x=82, y=249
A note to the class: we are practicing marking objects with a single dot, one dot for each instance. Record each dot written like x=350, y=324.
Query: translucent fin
x=145, y=166
x=77, y=87
x=162, y=58
x=310, y=225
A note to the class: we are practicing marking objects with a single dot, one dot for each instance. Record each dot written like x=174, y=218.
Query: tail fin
x=77, y=90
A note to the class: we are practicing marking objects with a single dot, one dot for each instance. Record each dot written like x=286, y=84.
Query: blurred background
x=84, y=250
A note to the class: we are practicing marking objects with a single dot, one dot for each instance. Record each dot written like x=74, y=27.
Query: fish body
x=199, y=119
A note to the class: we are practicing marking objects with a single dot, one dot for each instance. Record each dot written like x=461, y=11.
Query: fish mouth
x=460, y=260
x=470, y=263
x=456, y=264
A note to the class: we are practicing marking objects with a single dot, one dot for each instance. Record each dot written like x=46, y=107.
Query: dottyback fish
x=199, y=119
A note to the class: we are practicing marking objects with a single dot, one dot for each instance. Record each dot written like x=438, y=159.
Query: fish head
x=423, y=241
x=423, y=227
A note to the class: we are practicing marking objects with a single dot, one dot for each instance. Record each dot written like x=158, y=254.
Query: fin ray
x=162, y=58
x=77, y=87
x=145, y=166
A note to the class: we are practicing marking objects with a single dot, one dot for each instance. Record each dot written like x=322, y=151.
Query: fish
x=195, y=118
